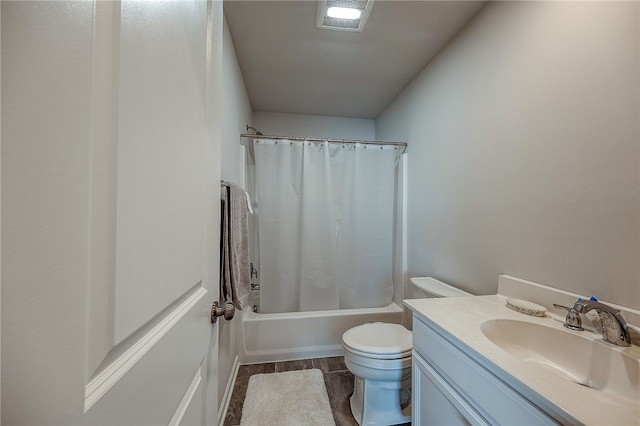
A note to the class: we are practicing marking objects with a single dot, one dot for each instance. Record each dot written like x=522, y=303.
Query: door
x=110, y=171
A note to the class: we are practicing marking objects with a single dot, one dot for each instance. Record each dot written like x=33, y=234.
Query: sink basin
x=574, y=357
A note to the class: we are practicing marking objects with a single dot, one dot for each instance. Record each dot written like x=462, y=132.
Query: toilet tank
x=427, y=287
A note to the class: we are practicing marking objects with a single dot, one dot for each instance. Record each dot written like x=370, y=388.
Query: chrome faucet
x=614, y=328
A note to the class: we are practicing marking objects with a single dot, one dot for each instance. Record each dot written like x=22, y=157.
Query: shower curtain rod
x=297, y=138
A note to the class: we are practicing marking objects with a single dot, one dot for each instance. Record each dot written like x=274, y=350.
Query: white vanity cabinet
x=451, y=386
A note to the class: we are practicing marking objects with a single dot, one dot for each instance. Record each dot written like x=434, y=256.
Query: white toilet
x=379, y=356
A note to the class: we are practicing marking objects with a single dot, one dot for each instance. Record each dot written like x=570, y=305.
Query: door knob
x=228, y=310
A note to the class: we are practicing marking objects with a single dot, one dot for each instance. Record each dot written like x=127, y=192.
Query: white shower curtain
x=326, y=224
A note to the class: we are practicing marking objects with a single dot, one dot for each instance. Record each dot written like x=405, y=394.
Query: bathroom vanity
x=475, y=361
x=450, y=384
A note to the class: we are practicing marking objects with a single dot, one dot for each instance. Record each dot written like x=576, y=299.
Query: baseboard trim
x=226, y=399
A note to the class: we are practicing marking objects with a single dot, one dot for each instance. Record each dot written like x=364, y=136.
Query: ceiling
x=291, y=66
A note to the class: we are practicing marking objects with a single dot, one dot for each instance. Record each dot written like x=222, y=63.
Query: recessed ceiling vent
x=343, y=15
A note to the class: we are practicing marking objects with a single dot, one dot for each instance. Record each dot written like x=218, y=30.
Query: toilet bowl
x=379, y=356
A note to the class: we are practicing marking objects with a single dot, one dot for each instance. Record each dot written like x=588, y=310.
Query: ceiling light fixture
x=343, y=15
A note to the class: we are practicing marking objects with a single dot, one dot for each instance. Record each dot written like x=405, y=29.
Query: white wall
x=315, y=126
x=524, y=150
x=236, y=114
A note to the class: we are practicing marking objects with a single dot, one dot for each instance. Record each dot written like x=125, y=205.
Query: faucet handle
x=573, y=320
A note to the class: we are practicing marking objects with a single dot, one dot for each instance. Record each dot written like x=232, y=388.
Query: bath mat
x=289, y=398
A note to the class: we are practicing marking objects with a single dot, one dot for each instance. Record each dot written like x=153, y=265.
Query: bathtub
x=301, y=335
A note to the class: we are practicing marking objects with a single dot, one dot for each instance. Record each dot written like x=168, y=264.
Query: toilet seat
x=379, y=341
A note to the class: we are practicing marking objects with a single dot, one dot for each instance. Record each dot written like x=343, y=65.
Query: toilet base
x=380, y=403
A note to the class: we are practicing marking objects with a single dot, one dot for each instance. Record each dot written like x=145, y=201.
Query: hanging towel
x=235, y=269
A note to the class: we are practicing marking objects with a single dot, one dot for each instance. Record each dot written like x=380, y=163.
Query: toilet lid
x=379, y=339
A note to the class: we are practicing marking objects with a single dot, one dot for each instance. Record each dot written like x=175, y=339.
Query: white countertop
x=460, y=318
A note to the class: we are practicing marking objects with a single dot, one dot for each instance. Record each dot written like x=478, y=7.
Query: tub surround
x=300, y=335
x=459, y=321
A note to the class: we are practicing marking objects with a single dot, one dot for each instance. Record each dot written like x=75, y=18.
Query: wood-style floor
x=337, y=379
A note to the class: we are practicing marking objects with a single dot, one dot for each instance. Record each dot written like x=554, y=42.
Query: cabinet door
x=435, y=402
